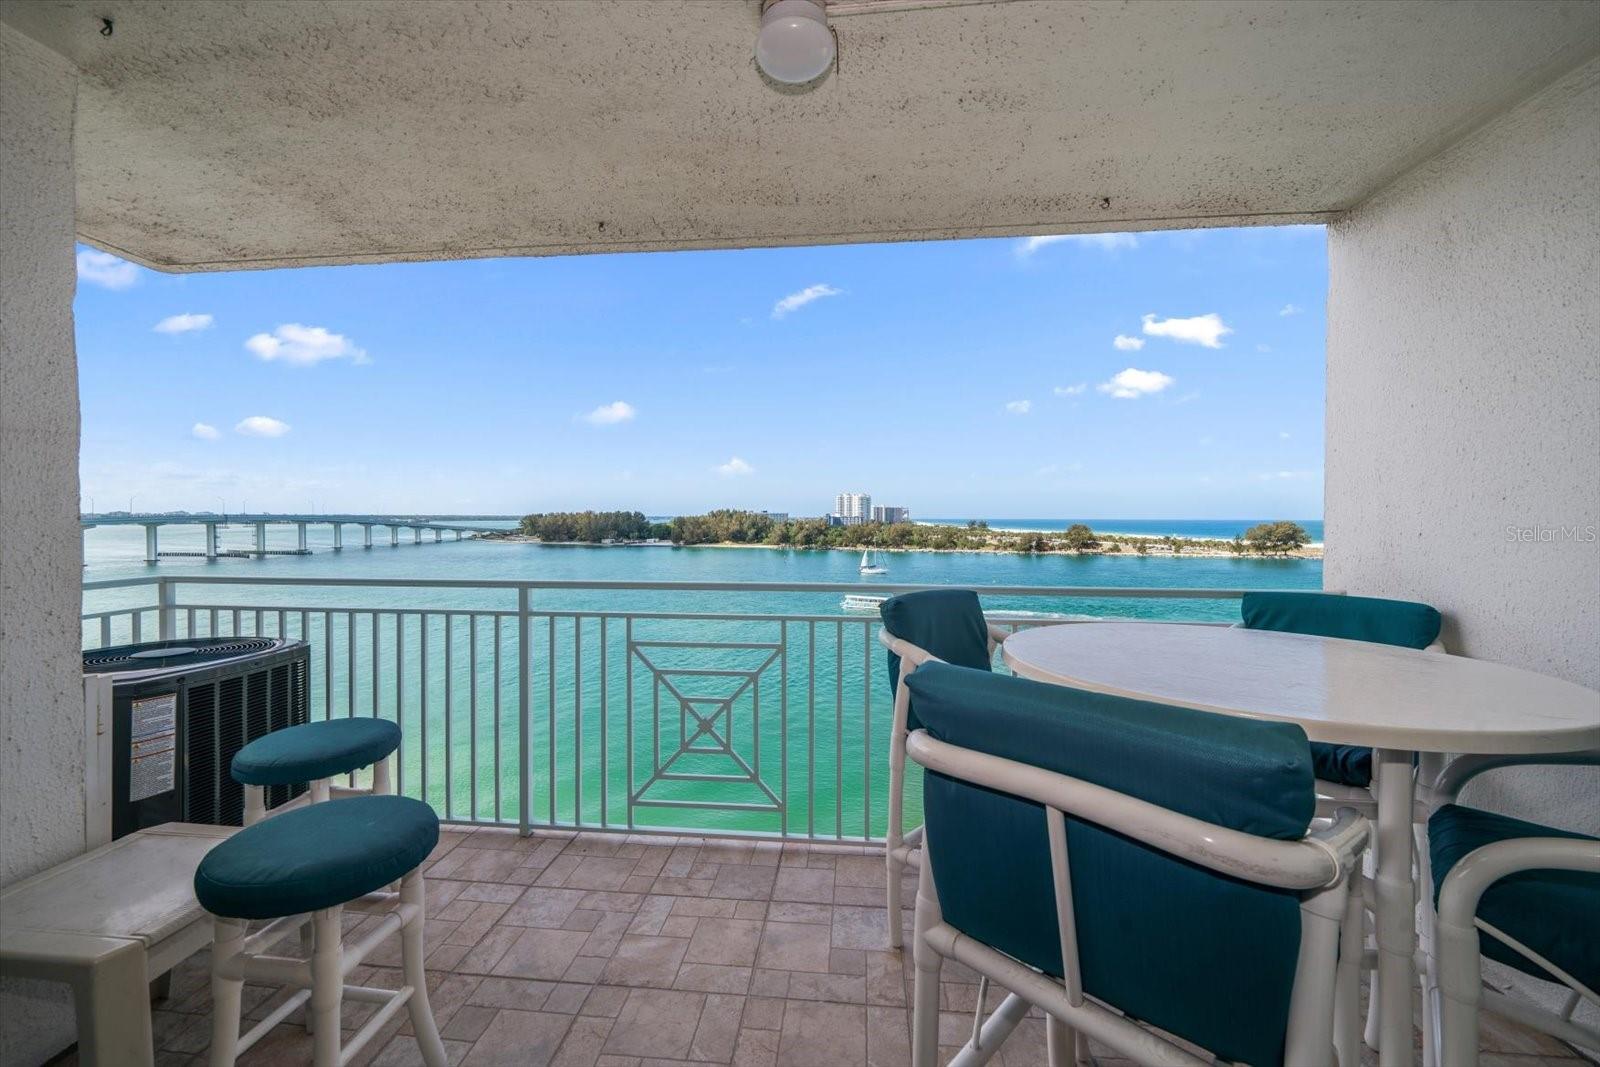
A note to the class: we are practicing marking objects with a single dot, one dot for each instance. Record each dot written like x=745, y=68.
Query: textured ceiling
x=221, y=135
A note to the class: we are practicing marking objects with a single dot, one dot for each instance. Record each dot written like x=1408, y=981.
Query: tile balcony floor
x=598, y=950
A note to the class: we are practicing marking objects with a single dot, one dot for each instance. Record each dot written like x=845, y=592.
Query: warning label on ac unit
x=153, y=736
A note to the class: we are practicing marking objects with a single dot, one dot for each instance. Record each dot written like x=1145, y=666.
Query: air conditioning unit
x=176, y=713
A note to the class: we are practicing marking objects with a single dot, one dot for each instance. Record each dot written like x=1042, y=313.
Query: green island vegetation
x=728, y=526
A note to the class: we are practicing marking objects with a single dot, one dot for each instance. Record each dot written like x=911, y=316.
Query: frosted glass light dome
x=795, y=45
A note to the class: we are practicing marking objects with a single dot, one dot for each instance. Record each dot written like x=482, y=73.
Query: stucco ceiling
x=221, y=135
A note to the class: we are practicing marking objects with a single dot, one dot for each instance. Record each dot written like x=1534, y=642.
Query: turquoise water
x=773, y=721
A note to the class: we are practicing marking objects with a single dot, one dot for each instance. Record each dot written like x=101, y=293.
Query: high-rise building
x=853, y=508
x=890, y=514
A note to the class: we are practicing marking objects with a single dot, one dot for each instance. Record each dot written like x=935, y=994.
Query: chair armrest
x=1482, y=867
x=1465, y=768
x=997, y=636
x=907, y=652
x=1316, y=861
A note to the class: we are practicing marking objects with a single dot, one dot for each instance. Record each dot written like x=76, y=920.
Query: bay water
x=694, y=710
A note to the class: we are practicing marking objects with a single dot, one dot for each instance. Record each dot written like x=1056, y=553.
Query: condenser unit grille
x=224, y=716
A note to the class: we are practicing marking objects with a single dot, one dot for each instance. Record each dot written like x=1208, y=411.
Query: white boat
x=857, y=602
x=870, y=565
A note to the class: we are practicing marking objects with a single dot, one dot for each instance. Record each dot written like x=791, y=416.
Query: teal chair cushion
x=1555, y=913
x=1204, y=956
x=315, y=750
x=317, y=856
x=1354, y=618
x=948, y=623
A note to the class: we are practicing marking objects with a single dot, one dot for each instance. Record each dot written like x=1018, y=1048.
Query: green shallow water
x=806, y=694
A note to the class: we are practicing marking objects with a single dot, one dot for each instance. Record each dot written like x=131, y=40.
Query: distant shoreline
x=1191, y=548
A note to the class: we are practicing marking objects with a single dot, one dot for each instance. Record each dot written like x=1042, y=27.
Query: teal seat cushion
x=1345, y=764
x=947, y=623
x=317, y=856
x=1201, y=955
x=1354, y=618
x=1555, y=913
x=315, y=750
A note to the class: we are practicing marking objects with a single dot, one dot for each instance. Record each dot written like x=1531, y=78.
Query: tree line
x=731, y=526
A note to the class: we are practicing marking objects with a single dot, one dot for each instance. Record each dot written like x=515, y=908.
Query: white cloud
x=1071, y=390
x=1019, y=407
x=1263, y=348
x=1123, y=343
x=1290, y=309
x=796, y=301
x=261, y=426
x=304, y=346
x=104, y=269
x=1207, y=330
x=1108, y=241
x=610, y=414
x=1284, y=476
x=185, y=323
x=735, y=468
x=1133, y=383
x=1283, y=435
x=205, y=431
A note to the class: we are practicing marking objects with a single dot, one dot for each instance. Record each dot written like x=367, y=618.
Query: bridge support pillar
x=458, y=535
x=150, y=548
x=366, y=534
x=394, y=537
x=261, y=539
x=416, y=535
x=437, y=535
x=301, y=535
x=211, y=540
x=338, y=536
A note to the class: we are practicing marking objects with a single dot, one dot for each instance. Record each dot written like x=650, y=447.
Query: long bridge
x=459, y=525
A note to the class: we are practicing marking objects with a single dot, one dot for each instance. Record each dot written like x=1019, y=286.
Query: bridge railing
x=734, y=708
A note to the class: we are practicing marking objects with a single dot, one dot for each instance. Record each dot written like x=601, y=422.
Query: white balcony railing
x=635, y=706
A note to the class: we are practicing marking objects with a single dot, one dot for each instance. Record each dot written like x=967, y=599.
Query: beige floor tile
x=645, y=961
x=805, y=884
x=816, y=1033
x=656, y=1022
x=794, y=947
x=518, y=1038
x=543, y=954
x=718, y=1032
x=731, y=942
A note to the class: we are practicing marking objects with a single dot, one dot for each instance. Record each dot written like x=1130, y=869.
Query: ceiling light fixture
x=795, y=45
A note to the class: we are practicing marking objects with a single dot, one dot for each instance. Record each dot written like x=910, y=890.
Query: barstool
x=314, y=753
x=314, y=860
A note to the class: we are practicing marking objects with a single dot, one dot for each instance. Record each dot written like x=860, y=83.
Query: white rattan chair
x=1319, y=867
x=1456, y=933
x=904, y=847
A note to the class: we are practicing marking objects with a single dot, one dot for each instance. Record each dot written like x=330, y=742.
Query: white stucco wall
x=1464, y=398
x=41, y=704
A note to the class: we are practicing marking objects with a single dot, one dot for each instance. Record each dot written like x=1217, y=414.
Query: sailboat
x=870, y=565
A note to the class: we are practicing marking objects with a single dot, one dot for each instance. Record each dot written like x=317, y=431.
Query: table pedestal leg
x=1396, y=918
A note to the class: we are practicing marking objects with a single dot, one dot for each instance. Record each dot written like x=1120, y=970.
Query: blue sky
x=1116, y=376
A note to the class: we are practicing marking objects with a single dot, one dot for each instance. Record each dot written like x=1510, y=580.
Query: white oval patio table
x=1398, y=701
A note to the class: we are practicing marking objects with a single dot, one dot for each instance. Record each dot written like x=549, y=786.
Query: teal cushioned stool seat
x=1555, y=913
x=947, y=623
x=315, y=750
x=315, y=857
x=1201, y=955
x=1354, y=618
